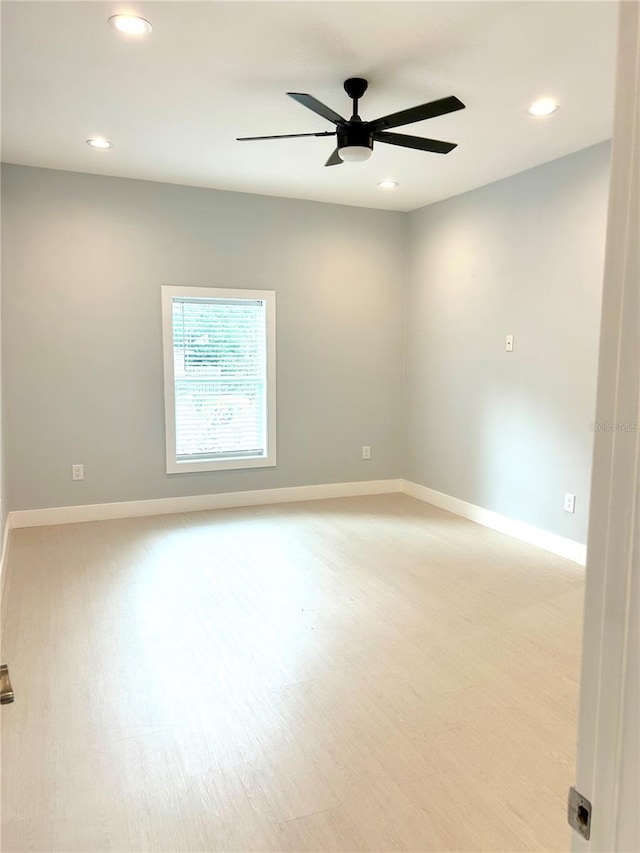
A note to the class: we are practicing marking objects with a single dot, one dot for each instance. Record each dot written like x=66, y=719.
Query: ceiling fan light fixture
x=543, y=107
x=354, y=153
x=130, y=25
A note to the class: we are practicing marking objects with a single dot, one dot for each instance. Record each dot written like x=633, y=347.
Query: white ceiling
x=174, y=101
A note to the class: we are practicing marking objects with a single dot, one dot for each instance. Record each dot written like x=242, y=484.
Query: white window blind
x=219, y=352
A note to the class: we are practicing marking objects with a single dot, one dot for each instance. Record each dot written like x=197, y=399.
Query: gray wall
x=84, y=258
x=523, y=256
x=83, y=261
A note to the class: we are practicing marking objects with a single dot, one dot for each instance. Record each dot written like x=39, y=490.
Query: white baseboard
x=566, y=548
x=195, y=503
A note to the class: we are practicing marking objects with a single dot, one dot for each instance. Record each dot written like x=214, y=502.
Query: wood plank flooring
x=342, y=675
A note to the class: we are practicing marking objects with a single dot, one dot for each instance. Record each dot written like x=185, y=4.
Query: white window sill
x=240, y=462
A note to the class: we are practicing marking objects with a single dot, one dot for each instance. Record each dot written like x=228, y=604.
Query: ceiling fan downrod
x=355, y=87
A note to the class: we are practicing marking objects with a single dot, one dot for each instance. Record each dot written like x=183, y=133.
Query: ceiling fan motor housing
x=354, y=134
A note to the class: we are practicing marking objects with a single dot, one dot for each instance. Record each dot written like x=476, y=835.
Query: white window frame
x=169, y=293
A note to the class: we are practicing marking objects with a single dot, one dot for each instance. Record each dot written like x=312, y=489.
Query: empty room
x=319, y=485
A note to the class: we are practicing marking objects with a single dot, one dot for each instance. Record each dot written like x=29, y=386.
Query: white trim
x=195, y=503
x=169, y=292
x=607, y=755
x=5, y=551
x=566, y=548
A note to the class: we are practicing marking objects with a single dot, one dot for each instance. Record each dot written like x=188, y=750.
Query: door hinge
x=6, y=690
x=579, y=813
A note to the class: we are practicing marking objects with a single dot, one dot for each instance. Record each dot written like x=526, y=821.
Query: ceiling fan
x=355, y=137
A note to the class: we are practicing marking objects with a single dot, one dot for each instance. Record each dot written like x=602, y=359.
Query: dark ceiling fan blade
x=433, y=145
x=285, y=136
x=420, y=113
x=334, y=160
x=317, y=107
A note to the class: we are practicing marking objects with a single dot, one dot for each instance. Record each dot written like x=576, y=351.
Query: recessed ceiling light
x=130, y=25
x=99, y=142
x=388, y=185
x=543, y=107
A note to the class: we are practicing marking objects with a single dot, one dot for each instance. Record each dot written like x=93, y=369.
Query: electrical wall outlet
x=77, y=472
x=366, y=451
x=508, y=344
x=569, y=503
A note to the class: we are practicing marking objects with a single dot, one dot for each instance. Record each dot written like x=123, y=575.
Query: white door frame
x=608, y=759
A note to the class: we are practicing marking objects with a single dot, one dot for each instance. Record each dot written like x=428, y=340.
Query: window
x=219, y=374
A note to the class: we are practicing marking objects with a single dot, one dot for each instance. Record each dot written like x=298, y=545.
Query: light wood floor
x=343, y=675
